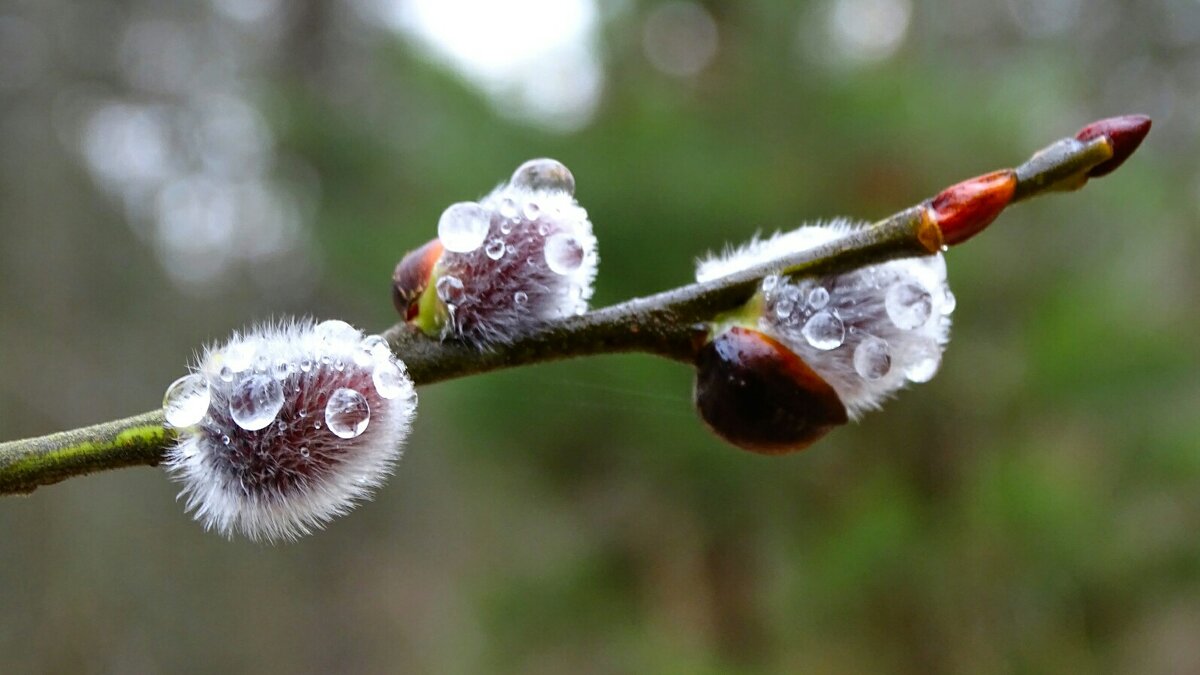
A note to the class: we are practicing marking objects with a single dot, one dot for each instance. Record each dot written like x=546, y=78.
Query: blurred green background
x=170, y=172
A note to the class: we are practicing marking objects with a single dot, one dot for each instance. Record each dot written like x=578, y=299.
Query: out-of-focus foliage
x=170, y=172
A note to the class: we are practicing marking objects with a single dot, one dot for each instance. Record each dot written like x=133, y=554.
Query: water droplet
x=186, y=401
x=818, y=297
x=282, y=369
x=376, y=346
x=508, y=209
x=506, y=227
x=769, y=282
x=347, y=413
x=306, y=365
x=450, y=290
x=926, y=360
x=239, y=355
x=302, y=413
x=495, y=249
x=531, y=211
x=949, y=302
x=388, y=379
x=908, y=305
x=544, y=174
x=520, y=297
x=262, y=363
x=304, y=452
x=872, y=359
x=226, y=374
x=317, y=425
x=224, y=439
x=463, y=227
x=564, y=253
x=255, y=401
x=784, y=308
x=543, y=229
x=334, y=330
x=326, y=360
x=339, y=365
x=823, y=330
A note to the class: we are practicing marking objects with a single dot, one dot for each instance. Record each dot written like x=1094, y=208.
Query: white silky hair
x=227, y=495
x=860, y=304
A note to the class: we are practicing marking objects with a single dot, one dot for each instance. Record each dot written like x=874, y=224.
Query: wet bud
x=963, y=210
x=757, y=394
x=287, y=426
x=867, y=333
x=521, y=256
x=1124, y=134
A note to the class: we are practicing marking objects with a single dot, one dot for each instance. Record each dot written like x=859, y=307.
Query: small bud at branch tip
x=1124, y=134
x=965, y=209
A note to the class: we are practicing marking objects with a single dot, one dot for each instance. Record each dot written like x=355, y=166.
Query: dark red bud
x=757, y=394
x=412, y=277
x=963, y=210
x=1124, y=134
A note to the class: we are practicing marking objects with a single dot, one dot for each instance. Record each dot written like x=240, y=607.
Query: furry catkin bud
x=868, y=332
x=521, y=256
x=286, y=426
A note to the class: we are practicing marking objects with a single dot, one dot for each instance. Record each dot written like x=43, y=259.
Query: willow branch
x=670, y=324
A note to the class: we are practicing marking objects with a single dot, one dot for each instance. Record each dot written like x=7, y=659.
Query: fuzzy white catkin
x=897, y=312
x=536, y=261
x=277, y=462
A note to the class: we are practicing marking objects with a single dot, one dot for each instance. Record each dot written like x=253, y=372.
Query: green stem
x=133, y=441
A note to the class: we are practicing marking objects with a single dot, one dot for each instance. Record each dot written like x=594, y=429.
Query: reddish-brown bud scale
x=412, y=277
x=961, y=211
x=757, y=394
x=1124, y=134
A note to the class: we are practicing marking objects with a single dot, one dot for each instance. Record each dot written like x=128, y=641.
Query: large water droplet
x=823, y=330
x=544, y=174
x=375, y=347
x=255, y=401
x=334, y=330
x=818, y=297
x=564, y=253
x=347, y=413
x=926, y=360
x=872, y=359
x=450, y=290
x=186, y=401
x=495, y=249
x=520, y=297
x=784, y=309
x=908, y=305
x=463, y=227
x=388, y=379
